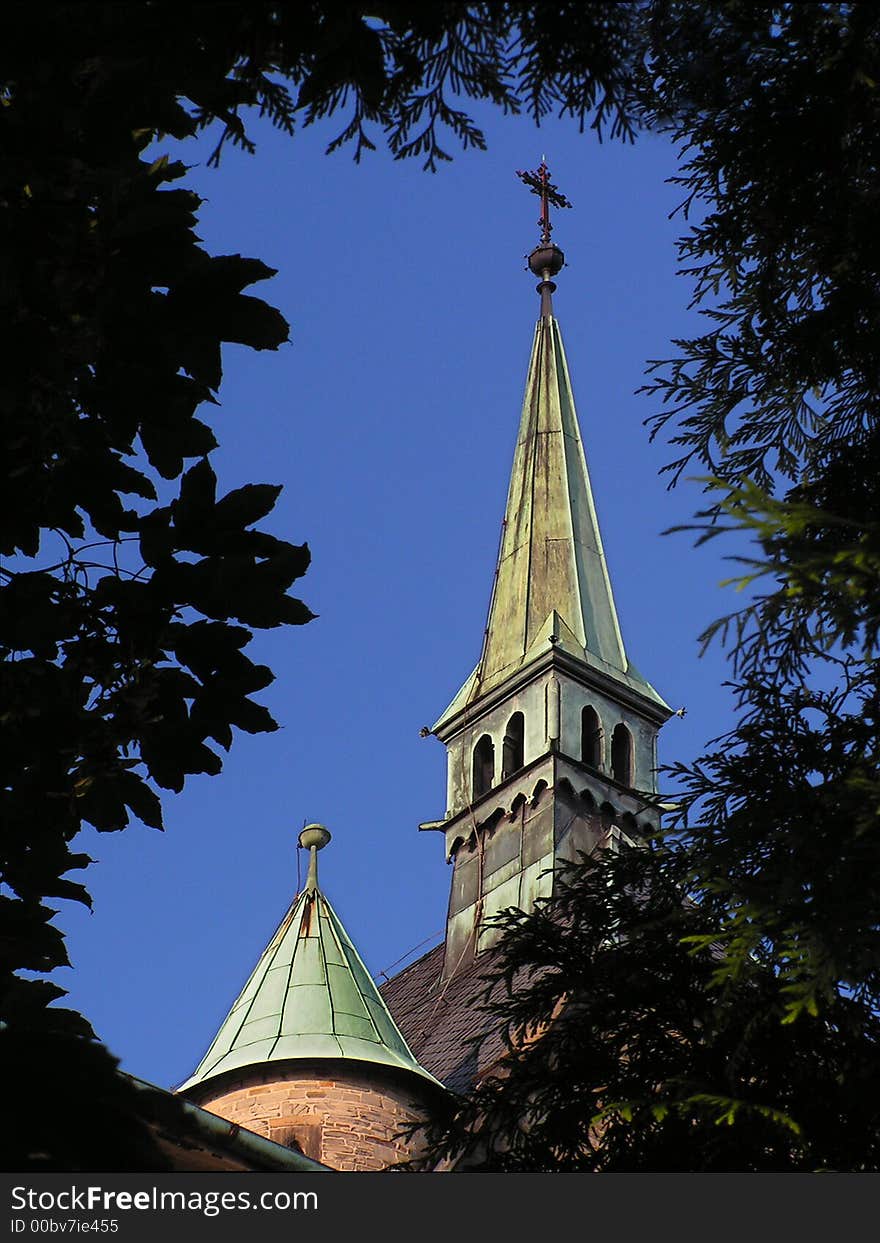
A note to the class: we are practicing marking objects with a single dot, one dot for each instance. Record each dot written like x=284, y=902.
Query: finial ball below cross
x=546, y=260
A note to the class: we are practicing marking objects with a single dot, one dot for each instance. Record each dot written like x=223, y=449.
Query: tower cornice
x=551, y=659
x=546, y=771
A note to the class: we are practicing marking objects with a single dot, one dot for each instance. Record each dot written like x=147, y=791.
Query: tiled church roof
x=441, y=1019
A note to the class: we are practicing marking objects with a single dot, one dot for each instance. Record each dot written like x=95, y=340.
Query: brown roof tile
x=441, y=1020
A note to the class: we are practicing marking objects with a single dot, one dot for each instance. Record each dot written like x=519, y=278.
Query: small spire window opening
x=484, y=766
x=304, y=1138
x=622, y=755
x=629, y=829
x=513, y=750
x=592, y=737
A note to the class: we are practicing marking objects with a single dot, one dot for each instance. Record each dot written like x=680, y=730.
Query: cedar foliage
x=625, y=1052
x=749, y=938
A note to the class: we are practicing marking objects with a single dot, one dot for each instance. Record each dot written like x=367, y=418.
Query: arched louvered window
x=591, y=737
x=514, y=742
x=622, y=755
x=484, y=766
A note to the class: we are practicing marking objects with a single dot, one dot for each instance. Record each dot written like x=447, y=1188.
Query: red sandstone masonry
x=348, y=1122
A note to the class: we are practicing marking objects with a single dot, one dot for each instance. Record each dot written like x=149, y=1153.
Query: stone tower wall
x=344, y=1116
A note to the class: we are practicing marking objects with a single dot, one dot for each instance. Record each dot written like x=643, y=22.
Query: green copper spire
x=551, y=583
x=308, y=997
x=551, y=550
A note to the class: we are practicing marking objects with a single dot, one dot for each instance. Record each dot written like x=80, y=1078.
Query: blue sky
x=390, y=419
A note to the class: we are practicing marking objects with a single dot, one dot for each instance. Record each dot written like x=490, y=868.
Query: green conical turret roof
x=309, y=996
x=551, y=583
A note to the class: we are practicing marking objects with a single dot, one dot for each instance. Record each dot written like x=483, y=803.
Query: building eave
x=199, y=1129
x=545, y=771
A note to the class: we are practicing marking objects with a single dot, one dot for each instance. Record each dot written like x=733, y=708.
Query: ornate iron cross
x=539, y=183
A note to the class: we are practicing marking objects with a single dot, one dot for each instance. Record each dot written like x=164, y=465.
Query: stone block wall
x=346, y=1116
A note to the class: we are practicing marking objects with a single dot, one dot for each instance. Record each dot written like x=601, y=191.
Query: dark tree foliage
x=748, y=941
x=778, y=110
x=623, y=1054
x=130, y=589
x=125, y=571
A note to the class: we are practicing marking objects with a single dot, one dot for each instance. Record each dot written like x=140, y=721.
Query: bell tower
x=551, y=742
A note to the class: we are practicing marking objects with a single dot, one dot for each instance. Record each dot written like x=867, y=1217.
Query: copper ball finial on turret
x=314, y=835
x=313, y=838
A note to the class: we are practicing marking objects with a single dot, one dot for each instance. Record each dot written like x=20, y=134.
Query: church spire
x=551, y=587
x=551, y=742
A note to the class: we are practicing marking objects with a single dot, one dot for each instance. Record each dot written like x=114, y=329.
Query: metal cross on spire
x=546, y=260
x=539, y=183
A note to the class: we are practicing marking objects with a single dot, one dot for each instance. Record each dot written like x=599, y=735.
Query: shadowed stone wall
x=346, y=1115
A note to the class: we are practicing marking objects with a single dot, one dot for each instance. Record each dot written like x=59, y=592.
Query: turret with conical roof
x=309, y=1053
x=554, y=709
